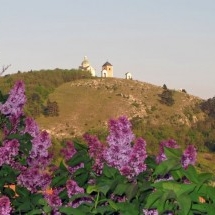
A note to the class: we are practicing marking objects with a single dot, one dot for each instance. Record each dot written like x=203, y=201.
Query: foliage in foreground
x=114, y=177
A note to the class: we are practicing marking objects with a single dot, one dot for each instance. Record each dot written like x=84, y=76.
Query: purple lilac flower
x=150, y=212
x=120, y=153
x=39, y=154
x=169, y=144
x=33, y=179
x=77, y=202
x=73, y=169
x=15, y=102
x=117, y=198
x=138, y=156
x=8, y=151
x=167, y=177
x=5, y=207
x=53, y=199
x=119, y=142
x=96, y=151
x=31, y=127
x=69, y=151
x=189, y=156
x=73, y=188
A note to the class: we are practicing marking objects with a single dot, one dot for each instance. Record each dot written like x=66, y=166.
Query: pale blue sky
x=158, y=41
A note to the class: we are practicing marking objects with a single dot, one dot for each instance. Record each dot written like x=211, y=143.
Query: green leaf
x=184, y=202
x=127, y=208
x=9, y=192
x=35, y=198
x=172, y=153
x=35, y=211
x=47, y=209
x=204, y=177
x=153, y=198
x=79, y=146
x=62, y=167
x=120, y=189
x=185, y=189
x=82, y=178
x=92, y=188
x=166, y=166
x=191, y=174
x=103, y=210
x=113, y=204
x=22, y=191
x=109, y=172
x=131, y=191
x=79, y=157
x=59, y=180
x=71, y=211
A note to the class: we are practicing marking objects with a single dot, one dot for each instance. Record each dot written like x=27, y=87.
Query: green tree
x=166, y=97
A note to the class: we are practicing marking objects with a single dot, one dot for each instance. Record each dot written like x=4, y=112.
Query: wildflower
x=15, y=102
x=169, y=144
x=120, y=153
x=53, y=199
x=119, y=142
x=73, y=169
x=5, y=207
x=31, y=127
x=8, y=151
x=39, y=154
x=77, y=202
x=189, y=156
x=96, y=151
x=138, y=156
x=33, y=179
x=73, y=188
x=69, y=151
x=150, y=212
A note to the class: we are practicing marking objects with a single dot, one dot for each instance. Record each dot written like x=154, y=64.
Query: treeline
x=39, y=84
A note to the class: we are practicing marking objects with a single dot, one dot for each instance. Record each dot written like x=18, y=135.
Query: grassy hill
x=86, y=105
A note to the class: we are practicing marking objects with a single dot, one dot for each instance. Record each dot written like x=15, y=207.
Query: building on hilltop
x=107, y=70
x=85, y=66
x=128, y=75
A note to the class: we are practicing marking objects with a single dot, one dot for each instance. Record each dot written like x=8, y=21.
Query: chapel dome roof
x=85, y=62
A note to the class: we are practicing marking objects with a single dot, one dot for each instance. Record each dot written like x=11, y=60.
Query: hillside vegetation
x=39, y=84
x=85, y=104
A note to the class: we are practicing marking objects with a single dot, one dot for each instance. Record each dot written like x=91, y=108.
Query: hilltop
x=88, y=104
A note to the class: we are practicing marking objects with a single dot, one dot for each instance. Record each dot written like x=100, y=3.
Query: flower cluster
x=33, y=178
x=96, y=151
x=189, y=156
x=169, y=144
x=8, y=151
x=120, y=153
x=15, y=102
x=69, y=151
x=73, y=188
x=39, y=154
x=150, y=212
x=53, y=198
x=5, y=207
x=31, y=127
